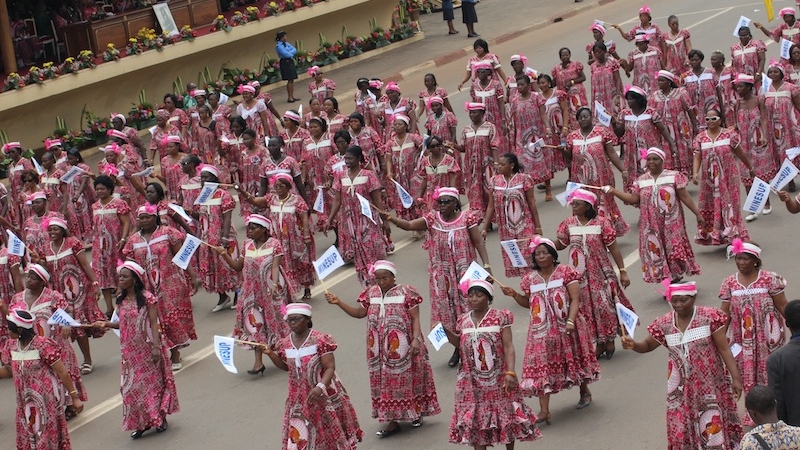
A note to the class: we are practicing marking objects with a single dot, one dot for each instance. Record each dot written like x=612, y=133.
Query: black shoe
x=257, y=371
x=163, y=427
x=138, y=433
x=417, y=423
x=387, y=433
x=454, y=359
x=473, y=35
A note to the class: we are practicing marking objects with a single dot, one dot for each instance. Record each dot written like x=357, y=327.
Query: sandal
x=548, y=198
x=586, y=400
x=307, y=295
x=543, y=416
x=388, y=432
x=69, y=413
x=86, y=369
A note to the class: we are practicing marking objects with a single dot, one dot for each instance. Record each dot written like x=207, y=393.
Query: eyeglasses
x=444, y=201
x=295, y=319
x=713, y=119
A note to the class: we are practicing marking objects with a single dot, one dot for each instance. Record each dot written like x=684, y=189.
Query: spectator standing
x=783, y=370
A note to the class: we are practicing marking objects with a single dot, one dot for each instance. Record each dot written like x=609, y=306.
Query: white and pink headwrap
x=15, y=318
x=635, y=90
x=110, y=170
x=303, y=309
x=469, y=284
x=147, y=210
x=375, y=84
x=113, y=148
x=786, y=12
x=50, y=143
x=520, y=58
x=10, y=146
x=645, y=10
x=382, y=264
x=598, y=27
x=245, y=88
x=482, y=65
x=474, y=106
x=642, y=37
x=739, y=246
x=313, y=71
x=392, y=86
x=199, y=93
x=38, y=195
x=120, y=117
x=255, y=84
x=402, y=117
x=539, y=240
x=583, y=195
x=281, y=176
x=258, y=219
x=684, y=288
x=668, y=75
x=645, y=152
x=210, y=169
x=774, y=63
x=54, y=221
x=744, y=78
x=433, y=99
x=445, y=191
x=40, y=272
x=293, y=116
x=171, y=138
x=133, y=267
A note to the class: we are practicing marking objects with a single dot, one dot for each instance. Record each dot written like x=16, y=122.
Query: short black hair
x=792, y=314
x=760, y=399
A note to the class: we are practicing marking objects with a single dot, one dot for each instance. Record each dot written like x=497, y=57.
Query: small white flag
x=152, y=130
x=39, y=168
x=60, y=317
x=115, y=319
x=223, y=348
x=786, y=45
x=785, y=175
x=319, y=202
x=563, y=197
x=223, y=98
x=181, y=212
x=438, y=337
x=145, y=173
x=627, y=318
x=405, y=198
x=73, y=172
x=514, y=253
x=736, y=349
x=15, y=245
x=757, y=197
x=792, y=153
x=184, y=255
x=766, y=82
x=743, y=22
x=328, y=262
x=601, y=114
x=474, y=272
x=366, y=209
x=600, y=22
x=206, y=193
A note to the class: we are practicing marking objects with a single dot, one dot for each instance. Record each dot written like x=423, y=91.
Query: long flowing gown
x=640, y=132
x=313, y=159
x=764, y=159
x=677, y=53
x=437, y=176
x=673, y=109
x=253, y=118
x=720, y=189
x=287, y=228
x=441, y=125
x=250, y=179
x=215, y=273
x=528, y=127
x=513, y=216
x=34, y=235
x=83, y=201
x=15, y=185
x=105, y=245
x=331, y=423
x=401, y=384
x=645, y=66
x=56, y=199
x=147, y=387
x=727, y=94
x=295, y=143
x=702, y=91
x=478, y=162
x=576, y=93
x=485, y=413
x=744, y=60
x=701, y=410
x=405, y=157
x=553, y=360
x=782, y=120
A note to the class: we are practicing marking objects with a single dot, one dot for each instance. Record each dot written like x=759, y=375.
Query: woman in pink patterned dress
x=640, y=127
x=190, y=182
x=782, y=103
x=73, y=277
x=366, y=103
x=317, y=150
x=318, y=415
x=557, y=118
x=590, y=152
x=440, y=121
x=482, y=55
x=791, y=66
x=701, y=84
x=58, y=198
x=394, y=104
x=259, y=114
x=336, y=120
x=720, y=186
x=147, y=385
x=489, y=408
x=569, y=78
x=360, y=239
x=512, y=205
x=748, y=56
x=265, y=289
x=320, y=87
x=176, y=115
x=153, y=247
x=432, y=89
x=701, y=394
x=130, y=188
x=559, y=353
x=290, y=225
x=232, y=149
x=529, y=120
x=162, y=129
x=18, y=165
x=171, y=172
x=606, y=84
x=277, y=162
x=34, y=362
x=519, y=63
x=81, y=194
x=490, y=93
x=676, y=111
x=678, y=45
x=754, y=300
x=369, y=141
x=33, y=233
x=111, y=222
x=400, y=376
x=437, y=170
x=253, y=156
x=664, y=247
x=645, y=27
x=205, y=135
x=216, y=229
x=10, y=277
x=724, y=77
x=292, y=135
x=334, y=165
x=589, y=239
x=644, y=62
x=480, y=144
x=220, y=112
x=402, y=153
x=453, y=243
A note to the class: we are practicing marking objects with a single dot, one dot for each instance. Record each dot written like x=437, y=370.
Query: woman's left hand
x=509, y=383
x=736, y=385
x=569, y=328
x=314, y=395
x=415, y=346
x=155, y=354
x=624, y=279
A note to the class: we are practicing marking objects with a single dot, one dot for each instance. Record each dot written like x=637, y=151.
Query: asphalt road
x=222, y=410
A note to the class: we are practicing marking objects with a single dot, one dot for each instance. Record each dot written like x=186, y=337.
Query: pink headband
x=54, y=221
x=402, y=117
x=245, y=88
x=774, y=63
x=520, y=58
x=583, y=195
x=392, y=86
x=668, y=75
x=113, y=147
x=481, y=65
x=40, y=271
x=38, y=195
x=50, y=143
x=18, y=320
x=313, y=71
x=739, y=246
x=10, y=146
x=598, y=27
x=297, y=308
x=645, y=10
x=473, y=106
x=375, y=84
x=635, y=90
x=786, y=12
x=162, y=114
x=147, y=210
x=171, y=138
x=133, y=267
x=469, y=284
x=743, y=78
x=645, y=152
x=258, y=219
x=291, y=115
x=382, y=264
x=642, y=37
x=672, y=289
x=110, y=170
x=538, y=240
x=210, y=169
x=255, y=84
x=120, y=117
x=435, y=99
x=199, y=93
x=117, y=134
x=445, y=191
x=282, y=176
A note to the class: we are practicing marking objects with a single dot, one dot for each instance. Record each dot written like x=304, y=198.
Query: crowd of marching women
x=122, y=231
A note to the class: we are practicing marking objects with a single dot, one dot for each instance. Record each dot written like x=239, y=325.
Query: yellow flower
x=47, y=65
x=34, y=69
x=13, y=75
x=132, y=40
x=272, y=5
x=220, y=17
x=110, y=46
x=69, y=60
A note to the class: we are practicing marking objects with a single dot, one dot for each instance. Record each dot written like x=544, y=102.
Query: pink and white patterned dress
x=590, y=165
x=664, y=247
x=107, y=223
x=478, y=166
x=792, y=72
x=645, y=66
x=701, y=410
x=727, y=94
x=576, y=93
x=755, y=323
x=34, y=235
x=640, y=132
x=56, y=199
x=763, y=158
x=287, y=228
x=604, y=88
x=258, y=311
x=322, y=90
x=401, y=384
x=316, y=154
x=677, y=50
x=782, y=119
x=250, y=178
x=368, y=106
x=157, y=138
x=8, y=263
x=82, y=201
x=485, y=413
x=331, y=423
x=784, y=31
x=205, y=141
x=441, y=125
x=338, y=122
x=673, y=109
x=555, y=119
x=253, y=118
x=529, y=126
x=167, y=280
x=553, y=360
x=513, y=216
x=270, y=168
x=404, y=106
x=370, y=142
x=702, y=90
x=405, y=156
x=40, y=403
x=424, y=95
x=215, y=273
x=489, y=57
x=173, y=174
x=15, y=186
x=490, y=95
x=652, y=31
x=360, y=240
x=295, y=144
x=720, y=190
x=587, y=251
x=147, y=387
x=745, y=59
x=451, y=251
x=436, y=176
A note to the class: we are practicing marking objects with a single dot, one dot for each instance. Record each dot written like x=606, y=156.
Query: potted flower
x=13, y=81
x=35, y=75
x=238, y=19
x=85, y=60
x=50, y=71
x=111, y=53
x=69, y=66
x=97, y=127
x=252, y=13
x=187, y=33
x=134, y=47
x=273, y=9
x=220, y=23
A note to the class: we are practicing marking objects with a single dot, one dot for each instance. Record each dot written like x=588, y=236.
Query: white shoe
x=177, y=366
x=766, y=211
x=222, y=305
x=751, y=217
x=233, y=306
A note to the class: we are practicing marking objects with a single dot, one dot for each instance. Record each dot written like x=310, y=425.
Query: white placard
x=736, y=349
x=766, y=82
x=152, y=130
x=115, y=319
x=60, y=317
x=627, y=318
x=366, y=209
x=73, y=172
x=405, y=198
x=786, y=46
x=39, y=168
x=319, y=202
x=206, y=193
x=743, y=22
x=145, y=173
x=184, y=255
x=601, y=114
x=785, y=175
x=563, y=197
x=474, y=272
x=223, y=348
x=15, y=245
x=757, y=197
x=792, y=153
x=328, y=262
x=438, y=337
x=600, y=22
x=181, y=212
x=514, y=253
